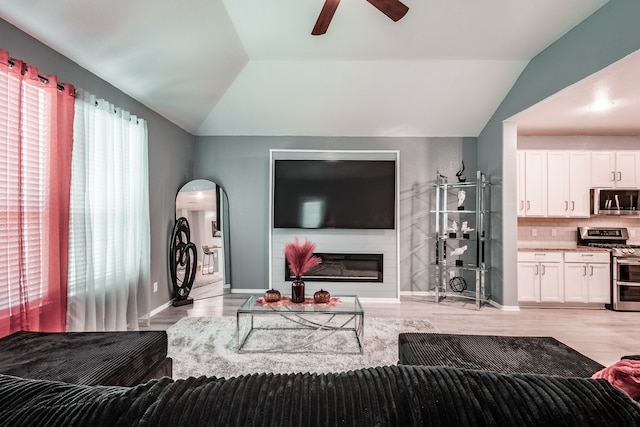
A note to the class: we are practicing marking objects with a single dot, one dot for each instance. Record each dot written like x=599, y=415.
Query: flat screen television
x=348, y=194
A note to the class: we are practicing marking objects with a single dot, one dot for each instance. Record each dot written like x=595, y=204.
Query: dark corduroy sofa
x=385, y=396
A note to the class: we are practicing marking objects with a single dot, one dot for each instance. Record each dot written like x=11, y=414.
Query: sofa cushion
x=393, y=395
x=105, y=358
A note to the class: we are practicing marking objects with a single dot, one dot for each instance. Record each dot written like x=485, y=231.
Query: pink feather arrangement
x=300, y=256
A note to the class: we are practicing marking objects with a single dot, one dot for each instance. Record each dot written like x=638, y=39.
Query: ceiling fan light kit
x=394, y=9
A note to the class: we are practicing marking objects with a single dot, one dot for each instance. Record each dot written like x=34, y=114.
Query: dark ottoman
x=504, y=354
x=90, y=358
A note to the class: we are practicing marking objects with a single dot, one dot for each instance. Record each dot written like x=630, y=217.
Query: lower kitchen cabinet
x=540, y=277
x=587, y=277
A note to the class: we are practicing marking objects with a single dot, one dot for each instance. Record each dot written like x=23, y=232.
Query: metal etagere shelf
x=462, y=203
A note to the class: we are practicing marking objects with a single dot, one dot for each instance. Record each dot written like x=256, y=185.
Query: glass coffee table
x=286, y=327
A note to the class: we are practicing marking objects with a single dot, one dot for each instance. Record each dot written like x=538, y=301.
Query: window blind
x=23, y=190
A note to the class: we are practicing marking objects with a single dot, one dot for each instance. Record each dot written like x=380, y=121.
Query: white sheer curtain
x=109, y=242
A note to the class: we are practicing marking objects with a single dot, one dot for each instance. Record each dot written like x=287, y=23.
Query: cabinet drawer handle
x=591, y=270
x=613, y=176
x=543, y=270
x=521, y=205
x=619, y=176
x=573, y=206
x=528, y=205
x=585, y=270
x=537, y=269
x=566, y=205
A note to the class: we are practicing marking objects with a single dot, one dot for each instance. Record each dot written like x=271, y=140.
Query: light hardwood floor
x=602, y=335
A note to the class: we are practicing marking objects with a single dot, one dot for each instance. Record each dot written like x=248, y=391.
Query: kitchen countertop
x=562, y=249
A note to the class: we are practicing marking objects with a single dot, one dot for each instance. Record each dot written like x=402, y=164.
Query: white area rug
x=208, y=346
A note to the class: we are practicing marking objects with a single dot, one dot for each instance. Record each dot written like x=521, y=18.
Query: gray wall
x=170, y=147
x=241, y=166
x=608, y=35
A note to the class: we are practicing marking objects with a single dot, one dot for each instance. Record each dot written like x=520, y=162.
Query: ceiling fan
x=394, y=9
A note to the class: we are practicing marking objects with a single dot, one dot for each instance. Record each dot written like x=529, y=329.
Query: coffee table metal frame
x=320, y=320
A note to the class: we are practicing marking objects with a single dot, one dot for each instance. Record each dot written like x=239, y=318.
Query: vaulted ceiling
x=252, y=67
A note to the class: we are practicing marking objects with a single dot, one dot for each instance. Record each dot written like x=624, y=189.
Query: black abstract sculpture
x=183, y=262
x=460, y=174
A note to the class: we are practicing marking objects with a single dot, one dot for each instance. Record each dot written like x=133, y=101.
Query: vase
x=297, y=290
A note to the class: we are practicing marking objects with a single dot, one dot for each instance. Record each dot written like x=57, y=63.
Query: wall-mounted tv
x=348, y=194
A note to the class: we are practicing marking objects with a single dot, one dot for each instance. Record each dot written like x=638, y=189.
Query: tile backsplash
x=562, y=232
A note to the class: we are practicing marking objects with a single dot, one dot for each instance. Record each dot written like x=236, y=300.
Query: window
x=35, y=147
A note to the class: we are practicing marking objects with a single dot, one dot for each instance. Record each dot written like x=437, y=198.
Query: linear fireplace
x=343, y=268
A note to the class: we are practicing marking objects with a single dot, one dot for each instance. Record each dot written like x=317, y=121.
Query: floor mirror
x=205, y=206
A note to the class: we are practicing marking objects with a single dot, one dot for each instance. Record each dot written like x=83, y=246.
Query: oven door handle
x=628, y=261
x=630, y=284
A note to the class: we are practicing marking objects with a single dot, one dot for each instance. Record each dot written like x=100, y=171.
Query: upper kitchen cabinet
x=611, y=169
x=532, y=183
x=568, y=180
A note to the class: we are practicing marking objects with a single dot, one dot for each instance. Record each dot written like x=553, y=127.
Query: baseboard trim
x=159, y=309
x=432, y=294
x=370, y=300
x=247, y=291
x=504, y=307
x=416, y=293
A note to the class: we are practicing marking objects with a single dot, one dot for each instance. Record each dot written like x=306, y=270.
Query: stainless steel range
x=625, y=264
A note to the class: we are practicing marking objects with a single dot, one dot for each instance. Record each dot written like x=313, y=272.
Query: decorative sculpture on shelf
x=457, y=252
x=460, y=174
x=461, y=196
x=453, y=230
x=183, y=262
x=458, y=284
x=466, y=229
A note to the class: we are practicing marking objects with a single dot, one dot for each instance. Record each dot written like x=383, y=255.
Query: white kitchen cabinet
x=528, y=282
x=587, y=277
x=520, y=184
x=603, y=165
x=540, y=277
x=617, y=169
x=575, y=289
x=568, y=188
x=599, y=283
x=532, y=183
x=579, y=188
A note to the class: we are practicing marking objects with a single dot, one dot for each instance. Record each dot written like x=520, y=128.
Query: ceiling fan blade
x=394, y=9
x=324, y=19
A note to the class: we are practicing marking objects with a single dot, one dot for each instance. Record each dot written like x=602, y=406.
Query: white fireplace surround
x=385, y=242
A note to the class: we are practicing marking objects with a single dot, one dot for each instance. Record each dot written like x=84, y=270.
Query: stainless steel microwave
x=615, y=201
